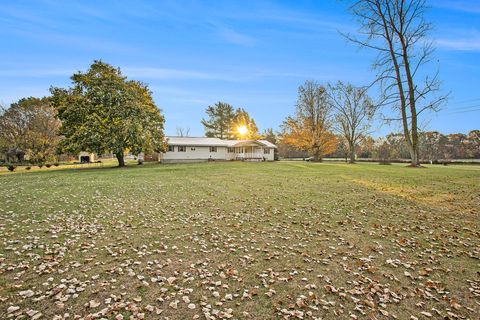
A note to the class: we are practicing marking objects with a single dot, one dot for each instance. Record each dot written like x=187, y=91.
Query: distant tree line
x=434, y=147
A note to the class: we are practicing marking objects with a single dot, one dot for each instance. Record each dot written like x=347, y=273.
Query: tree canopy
x=243, y=127
x=309, y=128
x=219, y=122
x=353, y=110
x=29, y=127
x=104, y=112
x=225, y=122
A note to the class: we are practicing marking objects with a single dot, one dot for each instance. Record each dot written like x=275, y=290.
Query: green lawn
x=241, y=240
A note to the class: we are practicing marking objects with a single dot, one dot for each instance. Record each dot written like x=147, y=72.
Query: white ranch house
x=195, y=149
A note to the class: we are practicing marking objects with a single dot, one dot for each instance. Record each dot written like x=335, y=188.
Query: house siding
x=199, y=154
x=270, y=156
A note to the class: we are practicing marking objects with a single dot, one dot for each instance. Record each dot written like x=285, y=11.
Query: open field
x=241, y=240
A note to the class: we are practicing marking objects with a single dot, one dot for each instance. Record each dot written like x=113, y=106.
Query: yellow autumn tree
x=309, y=128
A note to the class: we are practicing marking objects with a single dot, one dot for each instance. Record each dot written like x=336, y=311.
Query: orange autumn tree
x=309, y=128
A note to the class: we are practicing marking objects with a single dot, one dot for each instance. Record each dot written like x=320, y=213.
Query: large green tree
x=105, y=112
x=29, y=127
x=219, y=122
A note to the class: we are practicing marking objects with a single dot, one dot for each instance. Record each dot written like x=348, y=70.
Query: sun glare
x=242, y=130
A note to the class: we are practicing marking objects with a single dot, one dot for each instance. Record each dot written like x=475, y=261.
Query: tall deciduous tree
x=243, y=122
x=309, y=128
x=353, y=110
x=398, y=31
x=105, y=112
x=219, y=122
x=29, y=127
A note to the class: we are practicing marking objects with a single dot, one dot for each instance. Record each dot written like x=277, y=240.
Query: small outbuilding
x=86, y=157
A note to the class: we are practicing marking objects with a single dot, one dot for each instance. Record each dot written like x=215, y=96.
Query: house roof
x=215, y=142
x=240, y=143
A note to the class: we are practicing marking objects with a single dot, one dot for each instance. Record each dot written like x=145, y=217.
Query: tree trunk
x=412, y=102
x=351, y=150
x=399, y=81
x=121, y=159
x=414, y=155
x=317, y=157
x=415, y=146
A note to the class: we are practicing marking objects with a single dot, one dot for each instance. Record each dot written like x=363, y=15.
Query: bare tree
x=398, y=31
x=353, y=110
x=183, y=132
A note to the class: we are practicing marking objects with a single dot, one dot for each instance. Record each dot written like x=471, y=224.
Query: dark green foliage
x=270, y=136
x=104, y=112
x=219, y=122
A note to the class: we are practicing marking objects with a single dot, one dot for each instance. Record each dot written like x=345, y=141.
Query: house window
x=266, y=151
x=213, y=149
x=192, y=148
x=171, y=148
x=231, y=150
x=182, y=148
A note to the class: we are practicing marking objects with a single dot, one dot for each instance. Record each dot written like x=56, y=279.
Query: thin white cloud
x=151, y=74
x=134, y=72
x=235, y=37
x=36, y=73
x=459, y=44
x=469, y=6
x=166, y=73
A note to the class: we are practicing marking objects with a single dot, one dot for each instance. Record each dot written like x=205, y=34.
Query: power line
x=466, y=108
x=465, y=101
x=465, y=111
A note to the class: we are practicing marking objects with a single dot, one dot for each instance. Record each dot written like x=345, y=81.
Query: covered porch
x=248, y=151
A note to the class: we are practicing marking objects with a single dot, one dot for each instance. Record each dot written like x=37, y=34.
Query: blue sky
x=251, y=54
